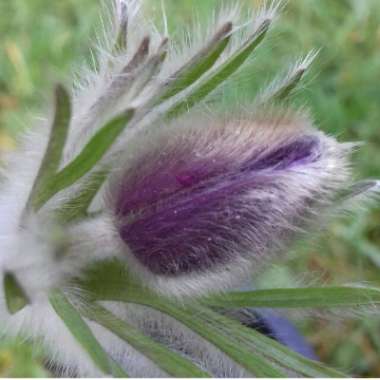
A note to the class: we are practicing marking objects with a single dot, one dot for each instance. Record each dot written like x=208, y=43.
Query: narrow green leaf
x=247, y=358
x=117, y=371
x=121, y=287
x=220, y=74
x=139, y=57
x=246, y=339
x=120, y=84
x=77, y=207
x=273, y=350
x=15, y=297
x=198, y=65
x=358, y=188
x=122, y=35
x=56, y=143
x=216, y=335
x=58, y=135
x=172, y=363
x=148, y=70
x=109, y=280
x=299, y=298
x=284, y=91
x=281, y=88
x=82, y=333
x=86, y=159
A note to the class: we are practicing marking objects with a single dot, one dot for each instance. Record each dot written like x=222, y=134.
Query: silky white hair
x=28, y=244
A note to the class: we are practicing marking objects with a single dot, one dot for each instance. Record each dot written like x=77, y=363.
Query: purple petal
x=281, y=329
x=184, y=213
x=298, y=152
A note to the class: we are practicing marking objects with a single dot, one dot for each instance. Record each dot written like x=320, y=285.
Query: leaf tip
x=15, y=296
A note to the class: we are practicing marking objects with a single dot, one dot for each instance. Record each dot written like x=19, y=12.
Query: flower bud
x=208, y=198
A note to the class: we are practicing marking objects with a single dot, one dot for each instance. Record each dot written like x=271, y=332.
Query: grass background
x=41, y=40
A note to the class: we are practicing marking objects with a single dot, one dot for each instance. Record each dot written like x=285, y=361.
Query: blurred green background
x=42, y=40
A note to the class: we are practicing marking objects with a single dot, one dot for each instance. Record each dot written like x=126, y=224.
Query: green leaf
x=56, y=143
x=299, y=298
x=275, y=351
x=117, y=371
x=148, y=70
x=86, y=159
x=122, y=287
x=204, y=322
x=281, y=88
x=198, y=65
x=82, y=333
x=358, y=188
x=216, y=334
x=15, y=297
x=220, y=74
x=77, y=207
x=106, y=278
x=288, y=86
x=139, y=57
x=172, y=363
x=109, y=280
x=122, y=35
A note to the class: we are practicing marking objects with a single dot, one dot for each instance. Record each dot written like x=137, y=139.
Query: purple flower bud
x=204, y=196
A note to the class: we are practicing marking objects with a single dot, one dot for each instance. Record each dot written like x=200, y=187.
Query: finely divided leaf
x=86, y=159
x=198, y=65
x=277, y=352
x=82, y=333
x=220, y=74
x=172, y=363
x=109, y=280
x=216, y=334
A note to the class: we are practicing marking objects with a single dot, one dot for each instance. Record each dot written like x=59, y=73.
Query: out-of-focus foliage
x=40, y=40
x=18, y=359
